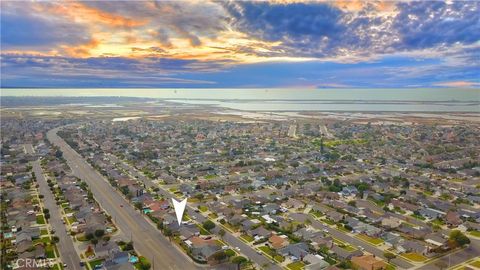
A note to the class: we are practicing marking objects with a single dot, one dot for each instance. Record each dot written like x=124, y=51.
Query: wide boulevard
x=148, y=241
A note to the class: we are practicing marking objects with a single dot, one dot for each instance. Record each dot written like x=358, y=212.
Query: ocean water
x=421, y=100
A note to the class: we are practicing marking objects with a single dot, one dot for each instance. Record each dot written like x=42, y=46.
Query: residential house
x=368, y=262
x=259, y=233
x=278, y=241
x=316, y=262
x=295, y=251
x=413, y=246
x=453, y=219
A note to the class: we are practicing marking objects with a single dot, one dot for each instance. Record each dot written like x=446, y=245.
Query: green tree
x=138, y=205
x=208, y=225
x=220, y=255
x=459, y=238
x=89, y=236
x=94, y=241
x=55, y=239
x=239, y=260
x=144, y=264
x=167, y=232
x=128, y=246
x=221, y=232
x=389, y=256
x=99, y=233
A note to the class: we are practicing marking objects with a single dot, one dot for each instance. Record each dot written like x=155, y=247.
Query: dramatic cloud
x=23, y=28
x=432, y=23
x=181, y=43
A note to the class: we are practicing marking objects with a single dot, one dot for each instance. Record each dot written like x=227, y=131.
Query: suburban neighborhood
x=277, y=194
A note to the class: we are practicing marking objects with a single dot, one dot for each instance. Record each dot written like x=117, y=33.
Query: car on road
x=65, y=265
x=121, y=205
x=237, y=248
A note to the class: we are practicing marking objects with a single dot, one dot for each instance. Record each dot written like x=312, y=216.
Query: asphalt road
x=65, y=246
x=354, y=241
x=148, y=241
x=229, y=238
x=472, y=251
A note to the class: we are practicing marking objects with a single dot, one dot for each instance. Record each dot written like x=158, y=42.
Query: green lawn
x=475, y=233
x=44, y=240
x=94, y=263
x=348, y=248
x=142, y=260
x=71, y=219
x=344, y=245
x=230, y=252
x=475, y=264
x=415, y=257
x=296, y=265
x=43, y=232
x=390, y=267
x=203, y=231
x=81, y=238
x=328, y=221
x=341, y=228
x=267, y=250
x=40, y=219
x=57, y=267
x=417, y=217
x=371, y=240
x=317, y=214
x=203, y=208
x=229, y=227
x=247, y=238
x=50, y=251
x=279, y=258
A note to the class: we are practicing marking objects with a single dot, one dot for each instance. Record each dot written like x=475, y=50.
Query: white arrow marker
x=179, y=208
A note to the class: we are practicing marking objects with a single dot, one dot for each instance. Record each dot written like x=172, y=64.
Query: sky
x=222, y=44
